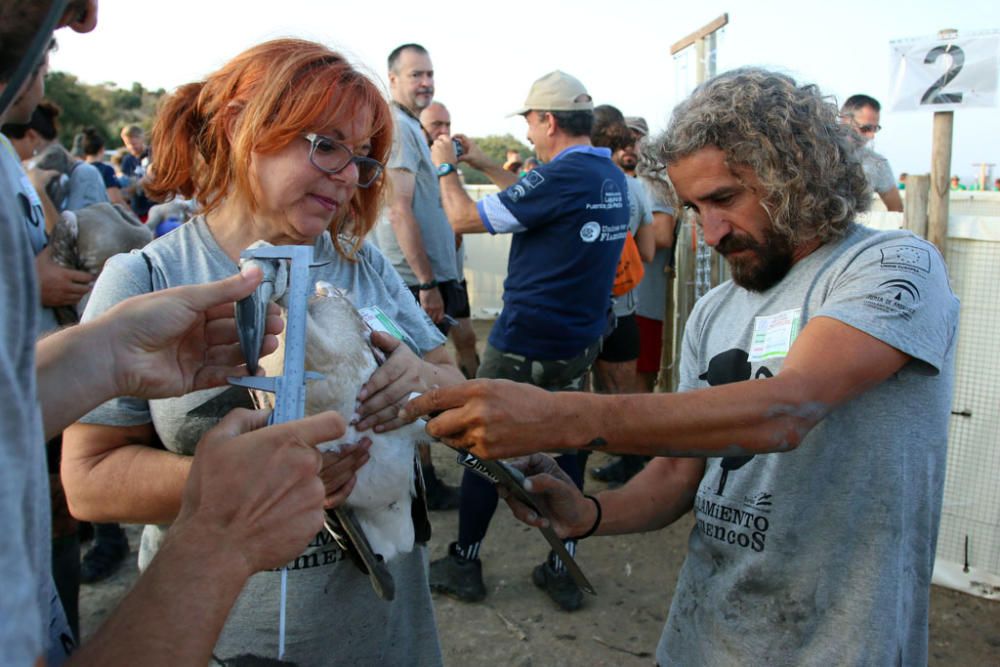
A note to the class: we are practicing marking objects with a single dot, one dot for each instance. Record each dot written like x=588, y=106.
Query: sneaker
x=559, y=585
x=457, y=577
x=102, y=560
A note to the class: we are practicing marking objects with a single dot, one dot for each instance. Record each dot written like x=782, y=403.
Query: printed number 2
x=933, y=94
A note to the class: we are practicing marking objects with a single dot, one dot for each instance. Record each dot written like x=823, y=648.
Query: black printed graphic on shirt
x=726, y=367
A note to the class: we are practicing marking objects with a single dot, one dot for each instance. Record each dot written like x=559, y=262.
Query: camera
x=459, y=151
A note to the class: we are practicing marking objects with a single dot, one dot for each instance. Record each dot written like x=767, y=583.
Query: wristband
x=431, y=284
x=597, y=520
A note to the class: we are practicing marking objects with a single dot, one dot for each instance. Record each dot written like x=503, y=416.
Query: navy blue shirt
x=132, y=168
x=569, y=218
x=107, y=173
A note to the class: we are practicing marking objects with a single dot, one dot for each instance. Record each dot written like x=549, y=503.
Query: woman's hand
x=390, y=386
x=339, y=471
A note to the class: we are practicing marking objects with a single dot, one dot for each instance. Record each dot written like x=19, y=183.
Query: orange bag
x=630, y=269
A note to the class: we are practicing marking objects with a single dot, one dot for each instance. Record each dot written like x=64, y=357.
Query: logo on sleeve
x=530, y=181
x=897, y=297
x=907, y=258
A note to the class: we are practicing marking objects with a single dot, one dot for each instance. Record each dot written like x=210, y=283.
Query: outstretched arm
x=155, y=345
x=501, y=419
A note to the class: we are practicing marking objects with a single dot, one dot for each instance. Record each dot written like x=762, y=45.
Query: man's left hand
x=443, y=151
x=494, y=419
x=175, y=341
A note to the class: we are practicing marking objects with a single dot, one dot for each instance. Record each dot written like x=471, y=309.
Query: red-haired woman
x=285, y=143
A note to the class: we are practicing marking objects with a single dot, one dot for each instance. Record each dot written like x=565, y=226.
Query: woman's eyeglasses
x=331, y=157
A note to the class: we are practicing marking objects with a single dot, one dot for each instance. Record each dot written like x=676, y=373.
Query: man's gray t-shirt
x=877, y=170
x=411, y=153
x=651, y=292
x=639, y=215
x=334, y=616
x=26, y=604
x=822, y=555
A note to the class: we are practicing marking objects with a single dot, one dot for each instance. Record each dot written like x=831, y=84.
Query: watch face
x=445, y=169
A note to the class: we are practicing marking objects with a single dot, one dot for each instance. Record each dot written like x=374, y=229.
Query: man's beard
x=423, y=98
x=766, y=264
x=628, y=163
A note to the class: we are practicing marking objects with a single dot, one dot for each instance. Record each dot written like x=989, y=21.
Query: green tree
x=104, y=106
x=79, y=108
x=495, y=146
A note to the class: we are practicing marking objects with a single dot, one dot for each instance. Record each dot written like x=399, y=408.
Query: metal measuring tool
x=286, y=276
x=503, y=474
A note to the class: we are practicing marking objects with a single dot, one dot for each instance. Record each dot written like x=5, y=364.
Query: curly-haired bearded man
x=809, y=430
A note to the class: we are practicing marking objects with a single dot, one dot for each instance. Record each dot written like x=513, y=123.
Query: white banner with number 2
x=937, y=74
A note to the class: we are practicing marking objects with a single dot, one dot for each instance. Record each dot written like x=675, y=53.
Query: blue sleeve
x=537, y=198
x=497, y=218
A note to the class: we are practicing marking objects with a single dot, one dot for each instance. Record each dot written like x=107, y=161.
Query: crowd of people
x=807, y=434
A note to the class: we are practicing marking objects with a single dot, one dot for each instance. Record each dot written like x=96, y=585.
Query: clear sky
x=486, y=55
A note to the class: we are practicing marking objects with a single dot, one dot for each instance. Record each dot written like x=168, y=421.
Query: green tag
x=379, y=321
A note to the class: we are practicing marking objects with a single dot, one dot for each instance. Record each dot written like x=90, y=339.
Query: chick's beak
x=251, y=314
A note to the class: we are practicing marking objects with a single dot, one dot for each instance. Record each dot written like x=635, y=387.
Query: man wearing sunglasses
x=862, y=113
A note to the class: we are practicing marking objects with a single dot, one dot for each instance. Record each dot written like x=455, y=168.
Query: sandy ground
x=634, y=575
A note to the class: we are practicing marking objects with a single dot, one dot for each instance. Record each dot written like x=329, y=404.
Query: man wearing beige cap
x=568, y=218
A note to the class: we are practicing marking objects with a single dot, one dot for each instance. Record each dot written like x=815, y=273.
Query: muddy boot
x=559, y=585
x=458, y=577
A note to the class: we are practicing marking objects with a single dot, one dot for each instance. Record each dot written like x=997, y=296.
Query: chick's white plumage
x=337, y=347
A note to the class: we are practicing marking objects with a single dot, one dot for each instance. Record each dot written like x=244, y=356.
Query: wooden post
x=680, y=296
x=915, y=208
x=937, y=207
x=699, y=61
x=684, y=296
x=665, y=377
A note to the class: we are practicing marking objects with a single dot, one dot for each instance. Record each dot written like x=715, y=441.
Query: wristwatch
x=431, y=284
x=445, y=169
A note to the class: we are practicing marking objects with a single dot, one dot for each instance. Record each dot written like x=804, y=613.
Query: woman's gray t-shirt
x=333, y=616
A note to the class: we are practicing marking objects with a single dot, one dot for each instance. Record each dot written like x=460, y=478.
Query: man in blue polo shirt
x=569, y=218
